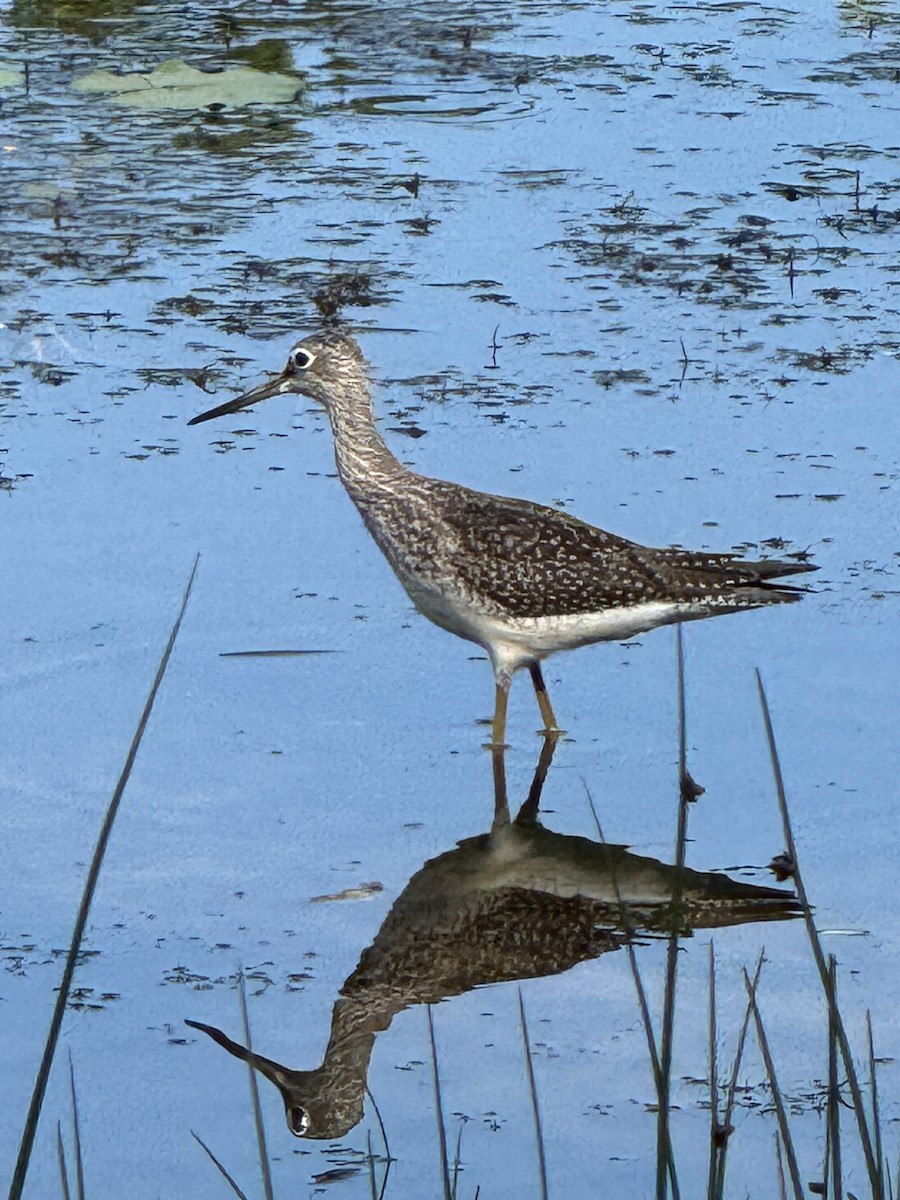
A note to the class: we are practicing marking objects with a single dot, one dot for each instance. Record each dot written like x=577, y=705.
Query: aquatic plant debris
x=174, y=84
x=365, y=891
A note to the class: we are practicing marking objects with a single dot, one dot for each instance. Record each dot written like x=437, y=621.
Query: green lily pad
x=10, y=76
x=174, y=84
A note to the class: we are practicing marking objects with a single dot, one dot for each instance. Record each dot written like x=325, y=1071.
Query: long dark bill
x=272, y=1070
x=263, y=392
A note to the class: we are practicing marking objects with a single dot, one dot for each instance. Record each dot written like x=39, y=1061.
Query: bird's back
x=515, y=559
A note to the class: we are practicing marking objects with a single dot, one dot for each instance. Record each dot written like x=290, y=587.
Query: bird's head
x=317, y=1104
x=324, y=366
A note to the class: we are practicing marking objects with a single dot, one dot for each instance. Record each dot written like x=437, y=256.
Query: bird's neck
x=339, y=1084
x=365, y=464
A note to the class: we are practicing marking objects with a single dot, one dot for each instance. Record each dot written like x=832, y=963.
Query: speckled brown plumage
x=521, y=579
x=517, y=903
x=519, y=559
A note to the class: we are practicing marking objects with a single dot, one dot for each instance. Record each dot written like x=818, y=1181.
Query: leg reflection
x=501, y=802
x=528, y=813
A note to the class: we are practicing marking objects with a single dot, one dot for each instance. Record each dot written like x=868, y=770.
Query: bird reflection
x=516, y=902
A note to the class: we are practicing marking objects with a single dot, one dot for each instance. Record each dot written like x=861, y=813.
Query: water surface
x=638, y=262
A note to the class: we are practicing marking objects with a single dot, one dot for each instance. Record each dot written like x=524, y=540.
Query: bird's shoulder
x=530, y=560
x=485, y=520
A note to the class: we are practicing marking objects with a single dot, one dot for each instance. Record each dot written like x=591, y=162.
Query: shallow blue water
x=656, y=216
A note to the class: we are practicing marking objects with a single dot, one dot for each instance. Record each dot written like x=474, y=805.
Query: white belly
x=513, y=642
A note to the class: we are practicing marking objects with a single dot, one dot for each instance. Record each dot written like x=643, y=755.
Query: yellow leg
x=540, y=690
x=498, y=729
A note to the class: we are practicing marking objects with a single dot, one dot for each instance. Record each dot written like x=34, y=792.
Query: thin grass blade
x=643, y=1004
x=654, y=1059
x=87, y=896
x=686, y=793
x=234, y=1187
x=76, y=1134
x=535, y=1106
x=439, y=1107
x=833, y=1126
x=786, y=1141
x=664, y=1155
x=370, y=1160
x=61, y=1159
x=457, y=1159
x=262, y=1148
x=872, y=1166
x=388, y=1157
x=731, y=1093
x=876, y=1107
x=779, y=1162
x=713, y=1070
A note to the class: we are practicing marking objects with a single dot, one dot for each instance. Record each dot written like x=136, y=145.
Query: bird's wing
x=531, y=561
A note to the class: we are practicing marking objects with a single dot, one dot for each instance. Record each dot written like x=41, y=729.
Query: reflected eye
x=298, y=1120
x=302, y=359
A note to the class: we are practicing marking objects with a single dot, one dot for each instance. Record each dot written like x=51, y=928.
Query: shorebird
x=520, y=579
x=518, y=902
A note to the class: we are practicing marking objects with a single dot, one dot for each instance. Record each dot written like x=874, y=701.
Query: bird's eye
x=302, y=359
x=298, y=1120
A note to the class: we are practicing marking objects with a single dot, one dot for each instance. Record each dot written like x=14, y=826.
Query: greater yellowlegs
x=518, y=578
x=518, y=902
